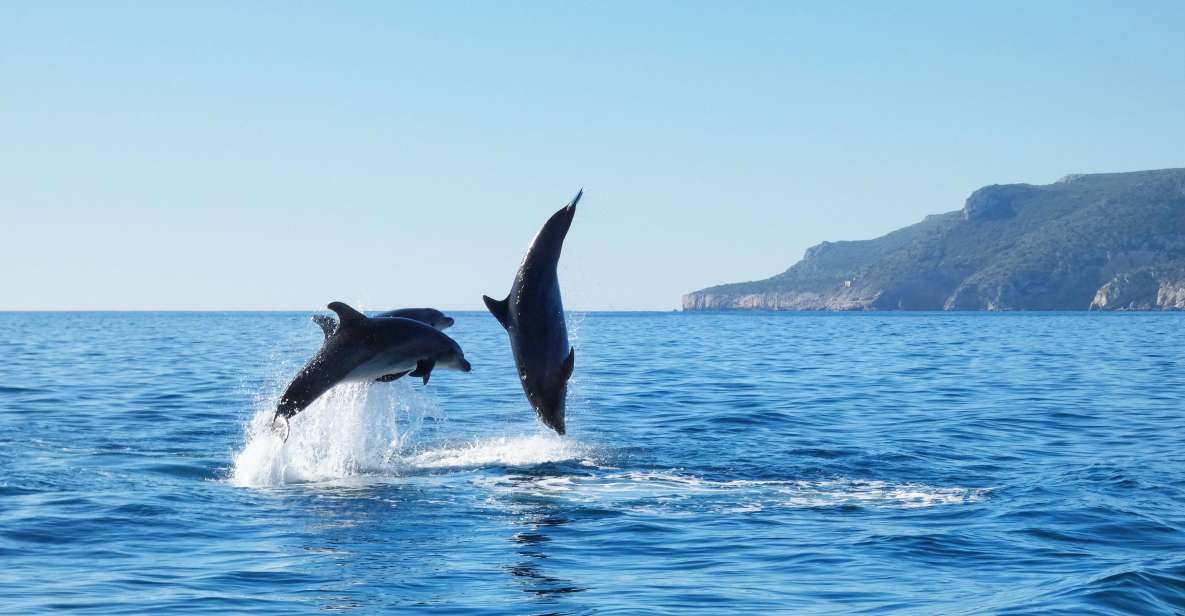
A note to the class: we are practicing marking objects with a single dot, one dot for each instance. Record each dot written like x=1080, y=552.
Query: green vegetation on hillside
x=1012, y=247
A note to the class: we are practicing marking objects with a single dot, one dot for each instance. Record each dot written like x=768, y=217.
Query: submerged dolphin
x=533, y=315
x=430, y=316
x=364, y=349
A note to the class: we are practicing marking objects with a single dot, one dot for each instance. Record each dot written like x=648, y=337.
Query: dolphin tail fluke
x=500, y=308
x=326, y=324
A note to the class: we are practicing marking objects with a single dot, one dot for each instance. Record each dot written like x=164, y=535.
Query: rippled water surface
x=915, y=463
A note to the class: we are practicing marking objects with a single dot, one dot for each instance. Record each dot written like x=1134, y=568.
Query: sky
x=281, y=155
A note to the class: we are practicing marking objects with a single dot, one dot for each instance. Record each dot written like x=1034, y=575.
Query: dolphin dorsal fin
x=346, y=315
x=327, y=324
x=500, y=308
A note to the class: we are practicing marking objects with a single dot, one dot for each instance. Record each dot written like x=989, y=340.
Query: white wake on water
x=363, y=432
x=523, y=450
x=652, y=492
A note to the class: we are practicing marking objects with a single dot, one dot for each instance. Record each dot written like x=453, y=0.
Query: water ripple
x=760, y=463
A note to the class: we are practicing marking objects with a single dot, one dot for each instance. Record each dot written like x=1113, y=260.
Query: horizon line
x=196, y=310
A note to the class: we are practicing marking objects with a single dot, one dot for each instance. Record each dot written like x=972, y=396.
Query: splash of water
x=358, y=430
x=352, y=430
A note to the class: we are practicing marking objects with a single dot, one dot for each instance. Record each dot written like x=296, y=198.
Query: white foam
x=649, y=492
x=522, y=450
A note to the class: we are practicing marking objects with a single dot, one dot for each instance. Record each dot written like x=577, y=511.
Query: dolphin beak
x=448, y=322
x=466, y=366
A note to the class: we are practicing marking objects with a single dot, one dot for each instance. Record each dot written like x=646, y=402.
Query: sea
x=715, y=463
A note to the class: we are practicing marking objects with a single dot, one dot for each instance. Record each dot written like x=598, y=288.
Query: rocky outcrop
x=1099, y=241
x=1153, y=288
x=1171, y=296
x=1127, y=291
x=996, y=201
x=775, y=301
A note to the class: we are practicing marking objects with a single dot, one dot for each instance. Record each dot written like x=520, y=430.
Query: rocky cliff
x=1113, y=241
x=1148, y=288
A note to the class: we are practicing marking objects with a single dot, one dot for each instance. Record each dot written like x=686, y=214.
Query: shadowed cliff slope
x=1113, y=241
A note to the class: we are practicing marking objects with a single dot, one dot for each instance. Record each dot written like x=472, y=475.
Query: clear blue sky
x=249, y=155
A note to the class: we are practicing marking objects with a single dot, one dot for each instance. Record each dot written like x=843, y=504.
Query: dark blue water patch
x=17, y=490
x=7, y=389
x=1141, y=590
x=38, y=535
x=185, y=471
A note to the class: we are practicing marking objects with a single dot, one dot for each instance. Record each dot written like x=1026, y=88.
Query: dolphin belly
x=381, y=365
x=533, y=316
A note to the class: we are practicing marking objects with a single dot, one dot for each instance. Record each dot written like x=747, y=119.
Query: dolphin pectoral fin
x=345, y=314
x=387, y=378
x=424, y=369
x=499, y=308
x=569, y=365
x=287, y=426
x=327, y=324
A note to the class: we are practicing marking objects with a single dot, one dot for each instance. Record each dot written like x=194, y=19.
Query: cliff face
x=1111, y=241
x=775, y=301
x=1150, y=288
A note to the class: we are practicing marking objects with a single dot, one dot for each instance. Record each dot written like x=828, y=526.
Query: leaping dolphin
x=365, y=349
x=430, y=316
x=533, y=315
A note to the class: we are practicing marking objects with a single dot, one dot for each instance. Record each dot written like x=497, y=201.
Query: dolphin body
x=430, y=316
x=370, y=349
x=533, y=315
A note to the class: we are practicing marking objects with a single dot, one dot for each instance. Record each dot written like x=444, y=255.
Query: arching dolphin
x=364, y=349
x=533, y=315
x=430, y=316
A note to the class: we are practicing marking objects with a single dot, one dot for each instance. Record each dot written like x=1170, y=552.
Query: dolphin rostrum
x=430, y=316
x=370, y=349
x=533, y=315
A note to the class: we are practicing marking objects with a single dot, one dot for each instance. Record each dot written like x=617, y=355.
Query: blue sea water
x=725, y=463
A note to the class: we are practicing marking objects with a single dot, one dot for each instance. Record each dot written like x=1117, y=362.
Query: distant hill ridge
x=1109, y=241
